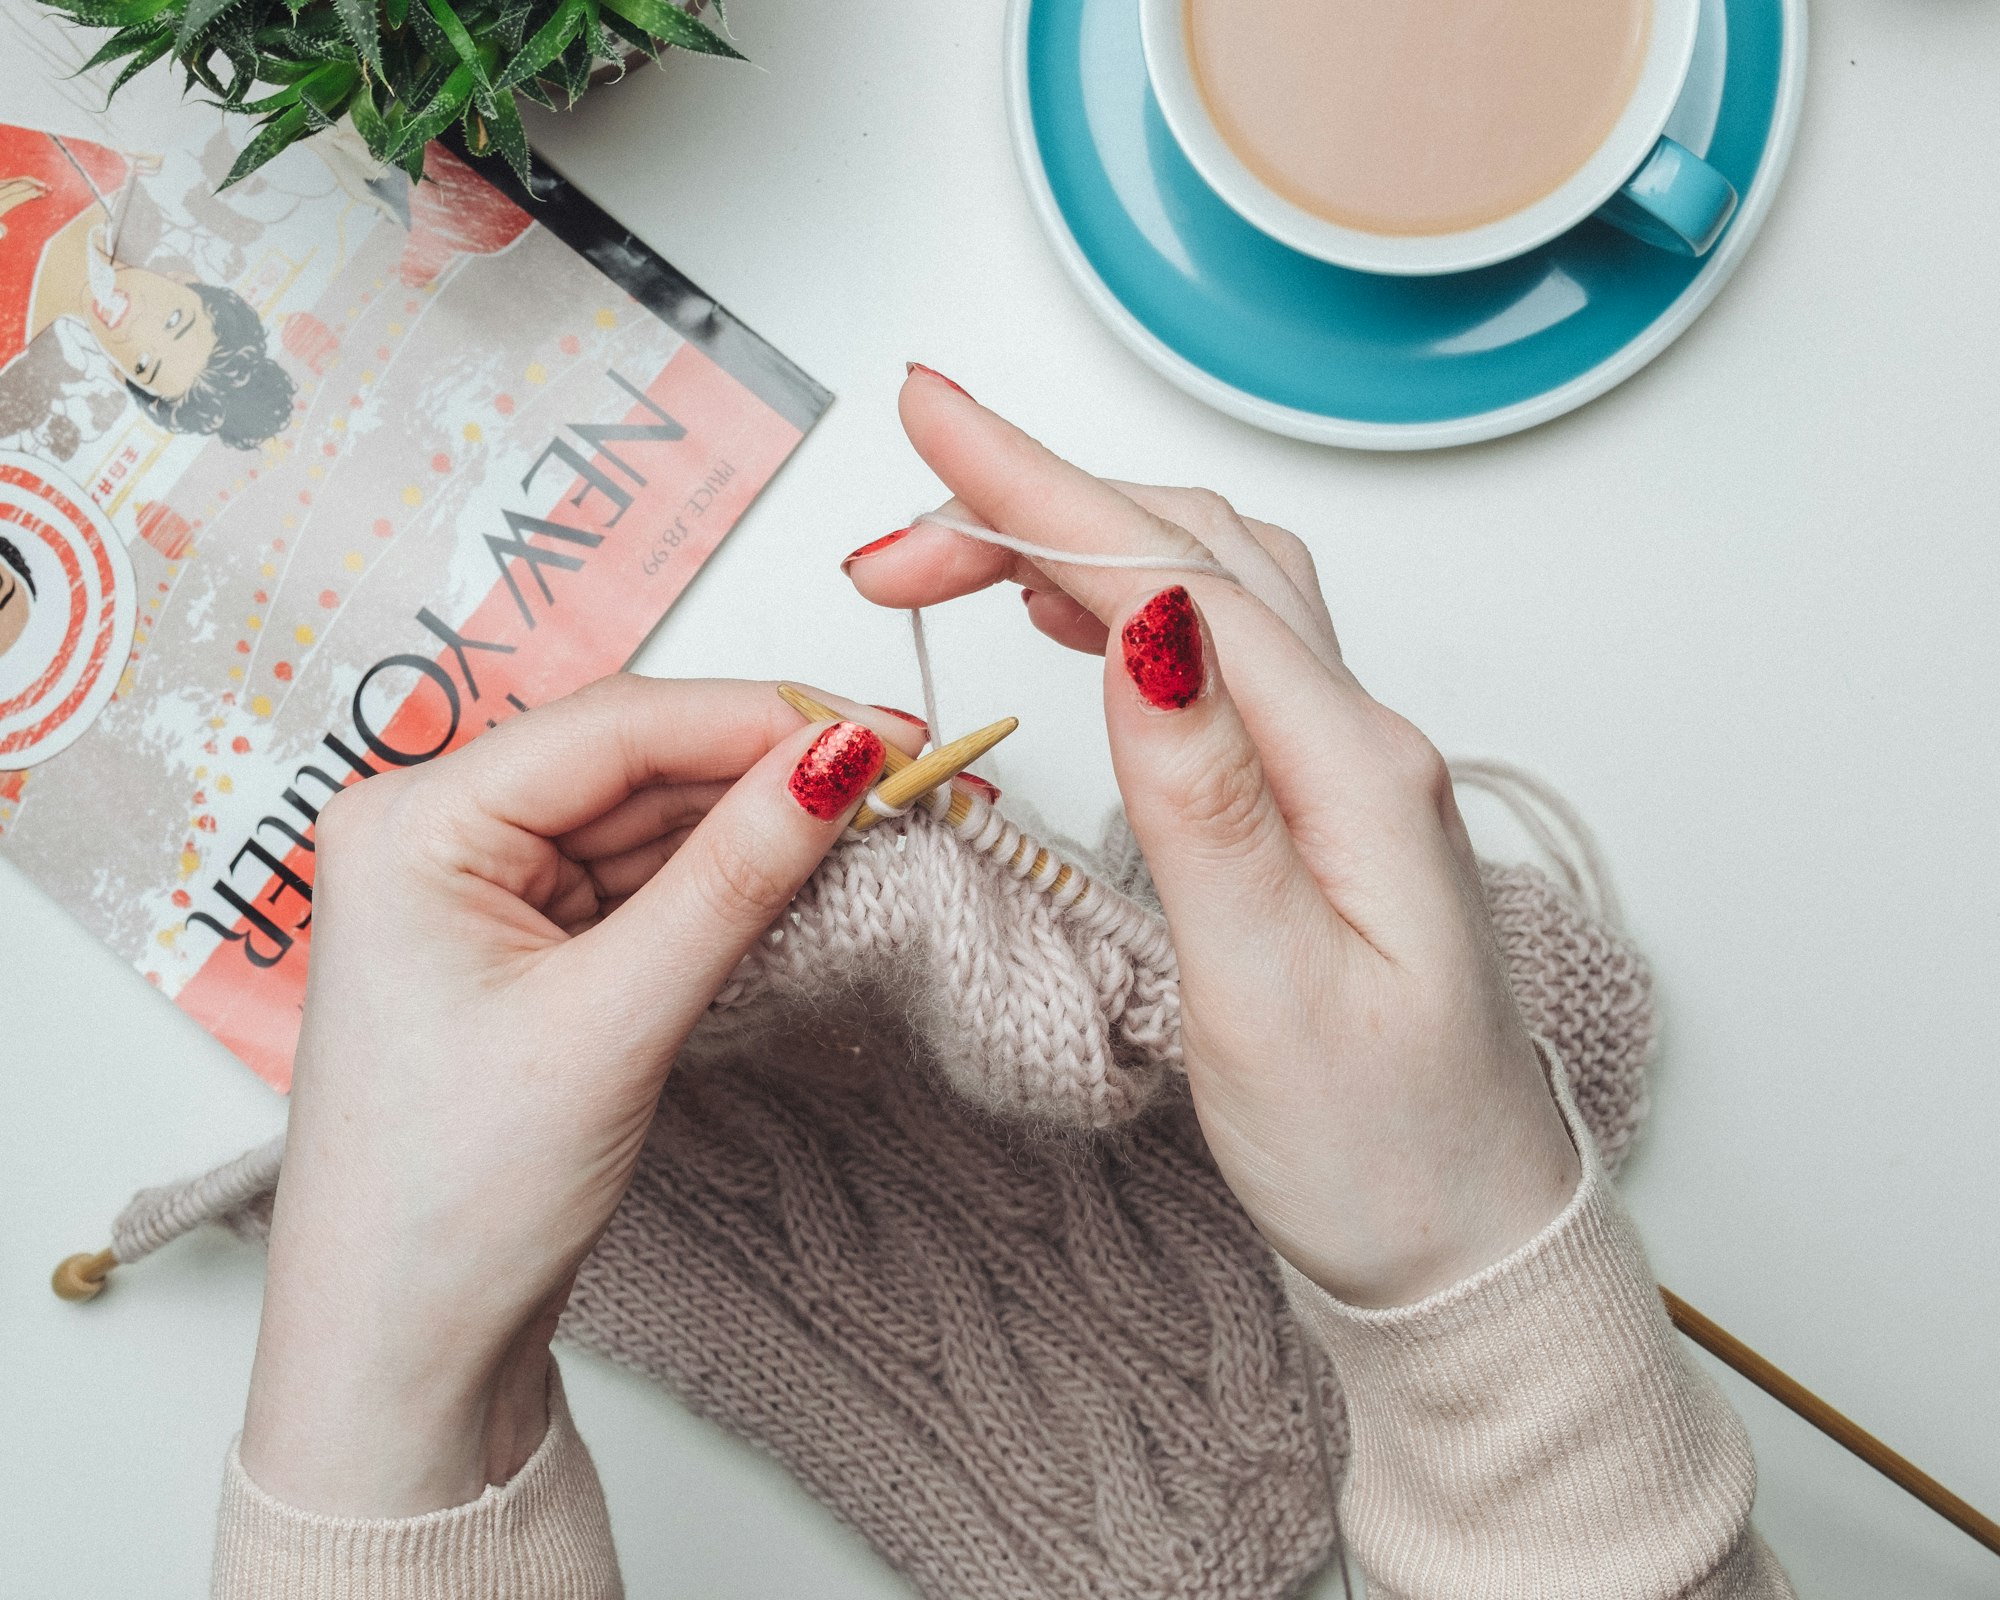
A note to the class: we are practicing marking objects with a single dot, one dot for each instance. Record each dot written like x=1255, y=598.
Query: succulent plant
x=403, y=71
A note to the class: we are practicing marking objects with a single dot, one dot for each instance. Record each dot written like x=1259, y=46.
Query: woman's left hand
x=509, y=945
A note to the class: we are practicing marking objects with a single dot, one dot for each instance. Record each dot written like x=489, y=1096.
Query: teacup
x=1634, y=177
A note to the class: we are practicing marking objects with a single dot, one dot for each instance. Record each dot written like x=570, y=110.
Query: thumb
x=1195, y=790
x=674, y=943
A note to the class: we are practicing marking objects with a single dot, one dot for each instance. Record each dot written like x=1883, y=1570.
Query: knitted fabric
x=926, y=1215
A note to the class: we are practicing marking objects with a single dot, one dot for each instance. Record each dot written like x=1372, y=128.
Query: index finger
x=552, y=770
x=1013, y=483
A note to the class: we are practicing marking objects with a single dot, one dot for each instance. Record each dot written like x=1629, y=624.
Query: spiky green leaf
x=445, y=106
x=548, y=42
x=635, y=36
x=573, y=67
x=150, y=51
x=197, y=19
x=675, y=26
x=504, y=131
x=301, y=44
x=124, y=42
x=456, y=36
x=510, y=26
x=272, y=138
x=328, y=90
x=538, y=91
x=112, y=13
x=369, y=124
x=363, y=27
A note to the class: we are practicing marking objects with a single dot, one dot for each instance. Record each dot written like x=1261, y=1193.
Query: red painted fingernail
x=1163, y=654
x=1027, y=597
x=932, y=372
x=873, y=545
x=908, y=716
x=972, y=780
x=831, y=776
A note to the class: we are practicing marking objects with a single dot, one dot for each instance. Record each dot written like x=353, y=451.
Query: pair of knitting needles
x=910, y=781
x=910, y=778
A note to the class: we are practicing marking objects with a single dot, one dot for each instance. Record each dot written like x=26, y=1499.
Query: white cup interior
x=1669, y=51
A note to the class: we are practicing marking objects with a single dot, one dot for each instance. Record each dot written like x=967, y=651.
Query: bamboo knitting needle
x=1711, y=1336
x=1788, y=1391
x=81, y=1277
x=961, y=805
x=903, y=788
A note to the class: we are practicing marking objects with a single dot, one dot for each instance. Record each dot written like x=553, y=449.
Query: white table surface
x=1742, y=611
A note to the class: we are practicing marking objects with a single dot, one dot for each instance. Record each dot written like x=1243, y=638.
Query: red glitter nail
x=932, y=372
x=831, y=776
x=873, y=545
x=1163, y=652
x=910, y=717
x=973, y=781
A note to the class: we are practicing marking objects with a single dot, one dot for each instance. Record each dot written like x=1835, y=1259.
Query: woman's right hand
x=1360, y=1069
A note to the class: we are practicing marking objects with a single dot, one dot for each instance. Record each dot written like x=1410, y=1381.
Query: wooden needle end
x=893, y=759
x=805, y=705
x=81, y=1277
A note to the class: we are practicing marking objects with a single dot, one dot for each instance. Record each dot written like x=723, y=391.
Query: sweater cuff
x=544, y=1535
x=1536, y=1429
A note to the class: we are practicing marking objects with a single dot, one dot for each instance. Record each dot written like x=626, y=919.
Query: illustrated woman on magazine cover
x=192, y=355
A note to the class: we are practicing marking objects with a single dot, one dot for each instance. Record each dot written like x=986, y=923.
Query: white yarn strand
x=1200, y=566
x=1553, y=824
x=924, y=673
x=1103, y=911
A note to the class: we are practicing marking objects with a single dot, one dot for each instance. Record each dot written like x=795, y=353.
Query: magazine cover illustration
x=316, y=476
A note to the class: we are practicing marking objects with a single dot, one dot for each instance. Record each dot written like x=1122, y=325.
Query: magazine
x=315, y=477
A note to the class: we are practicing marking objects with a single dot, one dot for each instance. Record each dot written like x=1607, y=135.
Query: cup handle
x=1675, y=200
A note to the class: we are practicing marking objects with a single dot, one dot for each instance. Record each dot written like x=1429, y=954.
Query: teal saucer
x=1351, y=358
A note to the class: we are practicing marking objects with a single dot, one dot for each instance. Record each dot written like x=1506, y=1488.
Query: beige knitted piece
x=926, y=1215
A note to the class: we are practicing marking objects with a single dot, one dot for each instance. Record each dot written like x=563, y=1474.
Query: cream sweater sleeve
x=542, y=1536
x=1537, y=1433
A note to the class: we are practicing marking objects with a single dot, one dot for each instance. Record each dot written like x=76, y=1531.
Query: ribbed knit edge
x=1536, y=1430
x=545, y=1535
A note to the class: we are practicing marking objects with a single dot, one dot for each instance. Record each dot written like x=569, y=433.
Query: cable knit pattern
x=1021, y=1365
x=925, y=1213
x=542, y=1536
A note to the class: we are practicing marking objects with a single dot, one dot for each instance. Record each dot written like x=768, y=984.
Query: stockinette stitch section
x=926, y=1215
x=1033, y=1012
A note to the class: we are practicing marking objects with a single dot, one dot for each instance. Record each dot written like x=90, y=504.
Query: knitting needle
x=931, y=771
x=895, y=761
x=81, y=1277
x=1788, y=1391
x=893, y=758
x=1711, y=1336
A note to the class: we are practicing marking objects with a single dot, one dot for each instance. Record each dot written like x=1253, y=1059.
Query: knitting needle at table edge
x=1782, y=1387
x=1711, y=1336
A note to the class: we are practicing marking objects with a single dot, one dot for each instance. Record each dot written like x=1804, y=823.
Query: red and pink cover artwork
x=317, y=477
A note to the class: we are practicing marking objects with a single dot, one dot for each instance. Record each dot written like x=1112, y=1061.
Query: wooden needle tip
x=927, y=772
